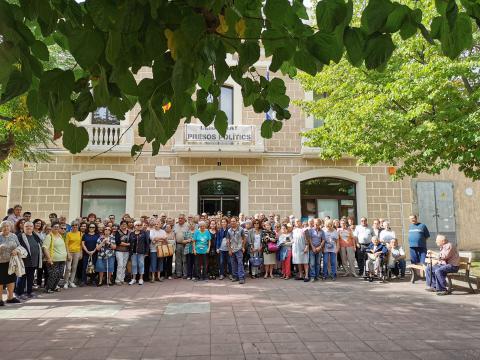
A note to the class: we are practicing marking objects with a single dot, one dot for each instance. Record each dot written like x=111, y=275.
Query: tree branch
x=467, y=85
x=399, y=106
x=6, y=118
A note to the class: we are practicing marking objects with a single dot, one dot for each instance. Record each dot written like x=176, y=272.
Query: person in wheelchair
x=396, y=259
x=376, y=253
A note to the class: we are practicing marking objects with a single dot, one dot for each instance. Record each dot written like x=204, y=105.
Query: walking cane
x=431, y=270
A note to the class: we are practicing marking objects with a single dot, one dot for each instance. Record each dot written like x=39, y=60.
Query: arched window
x=325, y=196
x=104, y=197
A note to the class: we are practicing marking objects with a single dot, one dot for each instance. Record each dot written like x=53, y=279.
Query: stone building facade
x=244, y=174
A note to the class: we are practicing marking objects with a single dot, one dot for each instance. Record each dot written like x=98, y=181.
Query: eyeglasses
x=64, y=228
x=138, y=225
x=91, y=227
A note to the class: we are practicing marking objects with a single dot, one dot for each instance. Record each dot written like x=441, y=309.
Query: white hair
x=28, y=223
x=200, y=223
x=6, y=223
x=138, y=222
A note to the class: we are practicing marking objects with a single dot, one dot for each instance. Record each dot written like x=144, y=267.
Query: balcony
x=103, y=137
x=196, y=140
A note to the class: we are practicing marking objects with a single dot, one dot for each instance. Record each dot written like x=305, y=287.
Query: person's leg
x=84, y=268
x=312, y=259
x=73, y=269
x=30, y=279
x=414, y=255
x=39, y=276
x=361, y=260
x=305, y=270
x=134, y=266
x=428, y=276
x=178, y=260
x=10, y=291
x=120, y=268
x=351, y=260
x=235, y=265
x=325, y=266
x=343, y=256
x=333, y=264
x=288, y=263
x=205, y=267
x=441, y=276
x=241, y=269
x=402, y=265
x=222, y=263
x=422, y=253
x=396, y=269
x=154, y=265
x=68, y=269
x=20, y=285
x=60, y=268
x=141, y=265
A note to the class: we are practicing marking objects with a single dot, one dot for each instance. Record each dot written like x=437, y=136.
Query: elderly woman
x=139, y=243
x=33, y=245
x=106, y=256
x=269, y=257
x=300, y=245
x=158, y=236
x=89, y=246
x=285, y=241
x=376, y=252
x=347, y=248
x=212, y=254
x=201, y=247
x=168, y=260
x=122, y=252
x=254, y=241
x=73, y=240
x=9, y=246
x=55, y=253
x=330, y=250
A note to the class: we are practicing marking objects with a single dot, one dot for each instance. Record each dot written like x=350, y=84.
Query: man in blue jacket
x=417, y=239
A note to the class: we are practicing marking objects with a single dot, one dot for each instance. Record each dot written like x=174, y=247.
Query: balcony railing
x=198, y=139
x=103, y=137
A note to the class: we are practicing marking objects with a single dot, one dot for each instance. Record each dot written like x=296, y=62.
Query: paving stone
x=258, y=348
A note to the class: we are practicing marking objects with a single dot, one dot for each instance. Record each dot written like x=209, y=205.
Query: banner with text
x=236, y=134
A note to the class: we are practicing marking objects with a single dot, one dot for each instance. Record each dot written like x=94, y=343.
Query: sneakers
x=72, y=285
x=430, y=289
x=221, y=277
x=234, y=279
x=439, y=293
x=65, y=286
x=133, y=281
x=306, y=279
x=140, y=282
x=242, y=281
x=14, y=301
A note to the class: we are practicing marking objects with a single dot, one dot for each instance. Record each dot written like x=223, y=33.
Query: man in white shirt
x=363, y=236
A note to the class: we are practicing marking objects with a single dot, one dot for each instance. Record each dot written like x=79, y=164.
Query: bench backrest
x=465, y=263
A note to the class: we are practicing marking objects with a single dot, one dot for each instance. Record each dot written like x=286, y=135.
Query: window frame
x=118, y=197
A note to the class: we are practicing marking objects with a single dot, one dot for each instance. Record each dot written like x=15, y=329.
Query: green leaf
x=221, y=123
x=325, y=47
x=182, y=76
x=62, y=114
x=396, y=18
x=249, y=53
x=330, y=14
x=266, y=129
x=102, y=12
x=58, y=82
x=17, y=84
x=194, y=25
x=125, y=81
x=86, y=47
x=305, y=62
x=375, y=15
x=275, y=10
x=75, y=139
x=136, y=149
x=114, y=44
x=35, y=105
x=40, y=50
x=83, y=105
x=100, y=89
x=378, y=50
x=354, y=40
x=277, y=125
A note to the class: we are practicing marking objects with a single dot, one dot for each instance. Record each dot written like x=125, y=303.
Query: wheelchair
x=385, y=271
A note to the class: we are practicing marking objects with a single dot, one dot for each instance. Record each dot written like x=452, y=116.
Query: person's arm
x=46, y=247
x=194, y=240
x=244, y=240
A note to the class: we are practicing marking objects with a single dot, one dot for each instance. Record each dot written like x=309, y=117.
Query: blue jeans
x=225, y=259
x=438, y=277
x=237, y=265
x=138, y=264
x=25, y=283
x=418, y=255
x=156, y=263
x=332, y=258
x=314, y=264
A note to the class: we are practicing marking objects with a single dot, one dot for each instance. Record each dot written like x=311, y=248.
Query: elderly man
x=32, y=243
x=180, y=228
x=447, y=261
x=376, y=252
x=396, y=260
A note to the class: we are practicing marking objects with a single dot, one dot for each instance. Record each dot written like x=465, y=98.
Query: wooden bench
x=463, y=274
x=417, y=272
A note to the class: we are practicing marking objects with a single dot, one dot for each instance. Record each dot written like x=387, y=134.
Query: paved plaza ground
x=263, y=319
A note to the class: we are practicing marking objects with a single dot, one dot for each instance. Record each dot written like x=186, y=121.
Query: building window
x=216, y=195
x=321, y=197
x=104, y=197
x=225, y=102
x=103, y=116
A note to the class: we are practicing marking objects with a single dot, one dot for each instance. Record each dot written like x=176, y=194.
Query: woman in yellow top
x=55, y=253
x=73, y=242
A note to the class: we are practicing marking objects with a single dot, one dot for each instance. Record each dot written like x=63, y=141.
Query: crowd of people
x=54, y=254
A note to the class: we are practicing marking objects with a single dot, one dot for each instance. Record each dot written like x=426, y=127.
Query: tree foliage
x=185, y=43
x=421, y=114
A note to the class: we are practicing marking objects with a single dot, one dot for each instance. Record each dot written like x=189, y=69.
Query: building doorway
x=216, y=195
x=325, y=196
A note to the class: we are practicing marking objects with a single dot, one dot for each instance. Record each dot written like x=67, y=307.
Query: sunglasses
x=91, y=227
x=64, y=228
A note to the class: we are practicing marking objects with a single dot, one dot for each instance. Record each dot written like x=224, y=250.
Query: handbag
x=164, y=250
x=256, y=261
x=272, y=247
x=90, y=267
